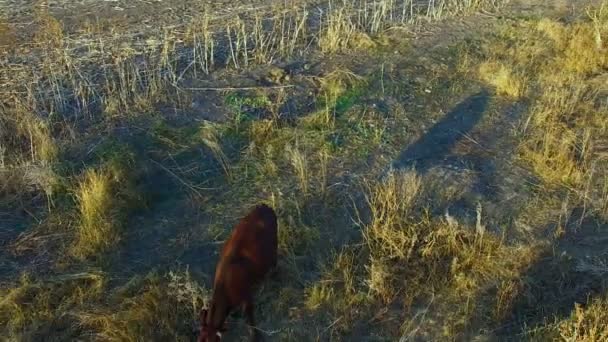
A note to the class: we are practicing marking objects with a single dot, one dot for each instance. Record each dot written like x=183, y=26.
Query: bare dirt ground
x=139, y=16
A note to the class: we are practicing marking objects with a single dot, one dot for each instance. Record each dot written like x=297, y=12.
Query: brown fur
x=249, y=253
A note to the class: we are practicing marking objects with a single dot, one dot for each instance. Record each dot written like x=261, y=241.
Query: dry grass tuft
x=33, y=309
x=153, y=307
x=410, y=257
x=104, y=197
x=505, y=80
x=300, y=166
x=49, y=31
x=587, y=324
x=337, y=31
x=210, y=137
x=23, y=132
x=413, y=255
x=199, y=34
x=582, y=54
x=338, y=290
x=99, y=228
x=391, y=205
x=598, y=17
x=7, y=36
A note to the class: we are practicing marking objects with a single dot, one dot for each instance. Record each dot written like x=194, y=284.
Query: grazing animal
x=249, y=253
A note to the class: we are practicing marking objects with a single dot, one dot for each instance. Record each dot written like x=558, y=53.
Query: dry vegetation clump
x=338, y=31
x=566, y=121
x=301, y=148
x=7, y=36
x=49, y=31
x=34, y=308
x=347, y=25
x=210, y=137
x=503, y=79
x=338, y=292
x=411, y=257
x=588, y=323
x=28, y=152
x=71, y=305
x=150, y=307
x=104, y=196
x=24, y=136
x=98, y=229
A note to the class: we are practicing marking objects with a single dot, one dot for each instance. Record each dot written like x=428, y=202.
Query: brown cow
x=249, y=253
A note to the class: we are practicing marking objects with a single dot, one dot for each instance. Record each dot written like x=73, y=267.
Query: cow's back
x=254, y=240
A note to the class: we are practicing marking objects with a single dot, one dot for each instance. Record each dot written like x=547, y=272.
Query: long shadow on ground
x=434, y=146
